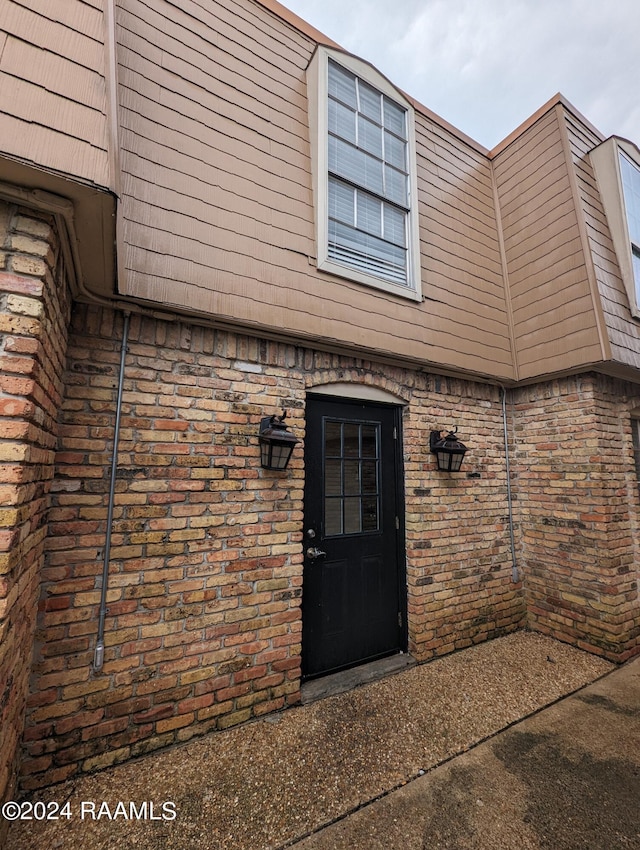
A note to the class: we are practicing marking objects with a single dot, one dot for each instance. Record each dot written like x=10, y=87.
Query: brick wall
x=577, y=497
x=33, y=329
x=204, y=625
x=458, y=545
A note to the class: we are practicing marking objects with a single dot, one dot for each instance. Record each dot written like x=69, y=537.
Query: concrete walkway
x=567, y=778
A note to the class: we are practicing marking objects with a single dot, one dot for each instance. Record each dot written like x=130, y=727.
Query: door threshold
x=346, y=680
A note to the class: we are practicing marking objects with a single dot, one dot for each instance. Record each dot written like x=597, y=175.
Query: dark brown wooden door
x=353, y=600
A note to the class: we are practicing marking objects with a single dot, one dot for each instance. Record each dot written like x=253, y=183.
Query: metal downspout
x=514, y=566
x=98, y=657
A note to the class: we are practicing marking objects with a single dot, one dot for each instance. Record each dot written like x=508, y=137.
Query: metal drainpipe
x=98, y=657
x=514, y=566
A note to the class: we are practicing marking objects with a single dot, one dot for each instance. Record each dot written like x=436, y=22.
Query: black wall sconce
x=448, y=450
x=276, y=442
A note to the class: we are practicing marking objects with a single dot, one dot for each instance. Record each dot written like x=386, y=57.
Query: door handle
x=313, y=552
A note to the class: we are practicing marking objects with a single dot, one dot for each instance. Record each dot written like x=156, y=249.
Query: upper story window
x=617, y=166
x=630, y=176
x=364, y=175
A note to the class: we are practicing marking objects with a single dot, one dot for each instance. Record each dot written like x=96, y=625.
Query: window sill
x=331, y=267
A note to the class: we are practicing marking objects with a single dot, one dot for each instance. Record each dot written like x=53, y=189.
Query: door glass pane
x=352, y=516
x=369, y=476
x=332, y=516
x=351, y=478
x=333, y=478
x=332, y=445
x=351, y=440
x=369, y=442
x=370, y=514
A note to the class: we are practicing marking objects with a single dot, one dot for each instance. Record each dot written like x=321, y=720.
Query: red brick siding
x=34, y=311
x=204, y=625
x=577, y=499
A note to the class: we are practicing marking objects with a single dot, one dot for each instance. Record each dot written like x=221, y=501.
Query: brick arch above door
x=360, y=391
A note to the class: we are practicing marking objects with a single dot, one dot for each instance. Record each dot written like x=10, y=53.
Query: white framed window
x=617, y=167
x=364, y=175
x=630, y=178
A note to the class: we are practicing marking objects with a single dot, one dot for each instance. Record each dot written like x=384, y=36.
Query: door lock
x=313, y=552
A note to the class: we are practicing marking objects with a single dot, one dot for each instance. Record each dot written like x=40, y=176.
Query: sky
x=487, y=65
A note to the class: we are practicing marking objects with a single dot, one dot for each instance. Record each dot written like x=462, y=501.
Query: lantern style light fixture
x=276, y=442
x=448, y=450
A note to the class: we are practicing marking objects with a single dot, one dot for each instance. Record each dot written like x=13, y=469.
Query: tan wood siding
x=622, y=328
x=218, y=208
x=553, y=316
x=52, y=86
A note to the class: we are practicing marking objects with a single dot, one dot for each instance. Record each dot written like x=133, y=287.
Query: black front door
x=353, y=598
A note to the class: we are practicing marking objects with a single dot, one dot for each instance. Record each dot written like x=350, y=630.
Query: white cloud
x=486, y=65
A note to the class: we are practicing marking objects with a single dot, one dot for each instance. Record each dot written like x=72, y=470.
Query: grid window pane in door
x=351, y=477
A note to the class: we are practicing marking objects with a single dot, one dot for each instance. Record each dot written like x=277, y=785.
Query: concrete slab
x=567, y=778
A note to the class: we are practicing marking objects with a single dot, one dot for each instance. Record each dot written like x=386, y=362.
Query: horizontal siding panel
x=201, y=238
x=573, y=351
x=216, y=206
x=444, y=170
x=552, y=202
x=258, y=35
x=31, y=103
x=242, y=32
x=454, y=165
x=442, y=281
x=214, y=106
x=54, y=74
x=526, y=242
x=152, y=120
x=202, y=62
x=460, y=225
x=189, y=211
x=48, y=34
x=50, y=149
x=77, y=15
x=534, y=143
x=538, y=297
x=440, y=244
x=564, y=321
x=564, y=245
x=554, y=310
x=466, y=238
x=533, y=179
x=440, y=194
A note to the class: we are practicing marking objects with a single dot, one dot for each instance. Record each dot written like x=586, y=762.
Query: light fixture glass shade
x=448, y=450
x=276, y=442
